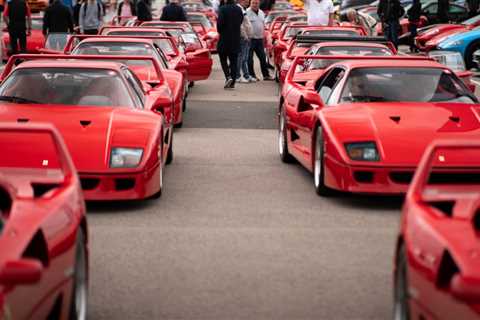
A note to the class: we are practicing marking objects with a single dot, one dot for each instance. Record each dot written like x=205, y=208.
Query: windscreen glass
x=343, y=51
x=66, y=86
x=381, y=85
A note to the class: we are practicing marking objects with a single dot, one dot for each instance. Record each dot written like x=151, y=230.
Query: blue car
x=466, y=43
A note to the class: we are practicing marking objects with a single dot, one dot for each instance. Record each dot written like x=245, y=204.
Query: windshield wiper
x=17, y=99
x=364, y=99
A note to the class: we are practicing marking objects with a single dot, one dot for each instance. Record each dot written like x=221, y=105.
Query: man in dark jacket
x=230, y=18
x=18, y=19
x=413, y=20
x=442, y=11
x=173, y=12
x=57, y=18
x=389, y=12
x=144, y=11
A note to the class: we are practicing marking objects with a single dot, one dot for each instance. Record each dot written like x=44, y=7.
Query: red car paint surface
x=43, y=224
x=34, y=42
x=437, y=246
x=397, y=129
x=92, y=132
x=435, y=40
x=174, y=78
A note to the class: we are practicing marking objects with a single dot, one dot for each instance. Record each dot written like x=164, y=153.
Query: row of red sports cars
x=94, y=119
x=84, y=117
x=364, y=118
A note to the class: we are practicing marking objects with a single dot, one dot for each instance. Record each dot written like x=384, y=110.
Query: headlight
x=125, y=157
x=362, y=151
x=451, y=59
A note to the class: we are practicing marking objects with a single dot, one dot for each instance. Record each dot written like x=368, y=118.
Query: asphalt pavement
x=237, y=234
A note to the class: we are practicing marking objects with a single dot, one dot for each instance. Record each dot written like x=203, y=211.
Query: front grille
x=89, y=183
x=124, y=184
x=401, y=177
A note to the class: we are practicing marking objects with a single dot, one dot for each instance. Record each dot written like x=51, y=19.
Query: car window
x=68, y=86
x=453, y=9
x=136, y=86
x=431, y=8
x=329, y=83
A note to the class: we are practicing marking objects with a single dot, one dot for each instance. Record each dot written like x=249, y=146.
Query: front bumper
x=367, y=179
x=120, y=186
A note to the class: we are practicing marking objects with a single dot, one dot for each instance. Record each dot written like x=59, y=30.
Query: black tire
x=401, y=309
x=277, y=76
x=318, y=166
x=285, y=156
x=78, y=303
x=170, y=152
x=469, y=55
x=178, y=125
x=184, y=104
x=191, y=84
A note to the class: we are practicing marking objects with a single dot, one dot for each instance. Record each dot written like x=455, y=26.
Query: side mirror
x=161, y=104
x=465, y=289
x=312, y=98
x=146, y=87
x=18, y=272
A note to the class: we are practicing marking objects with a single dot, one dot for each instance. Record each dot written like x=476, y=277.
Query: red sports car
x=360, y=126
x=427, y=38
x=206, y=30
x=340, y=46
x=34, y=42
x=199, y=59
x=112, y=123
x=119, y=46
x=436, y=274
x=43, y=227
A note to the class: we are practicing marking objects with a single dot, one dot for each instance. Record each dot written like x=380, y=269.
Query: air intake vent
x=446, y=207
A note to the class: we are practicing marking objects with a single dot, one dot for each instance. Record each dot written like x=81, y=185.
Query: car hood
x=89, y=132
x=461, y=35
x=446, y=35
x=402, y=131
x=439, y=29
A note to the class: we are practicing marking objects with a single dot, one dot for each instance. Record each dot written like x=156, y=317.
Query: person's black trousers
x=257, y=47
x=16, y=37
x=229, y=64
x=413, y=33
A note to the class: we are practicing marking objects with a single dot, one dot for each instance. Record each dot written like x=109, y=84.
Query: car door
x=457, y=13
x=306, y=114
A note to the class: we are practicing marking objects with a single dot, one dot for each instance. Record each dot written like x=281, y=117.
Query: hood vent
x=23, y=120
x=454, y=119
x=395, y=119
x=85, y=123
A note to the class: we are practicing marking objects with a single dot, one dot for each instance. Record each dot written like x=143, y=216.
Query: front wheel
x=78, y=304
x=319, y=166
x=401, y=310
x=285, y=156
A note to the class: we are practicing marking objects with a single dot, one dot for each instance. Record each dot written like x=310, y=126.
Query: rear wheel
x=285, y=156
x=170, y=152
x=401, y=310
x=78, y=304
x=184, y=104
x=160, y=176
x=318, y=166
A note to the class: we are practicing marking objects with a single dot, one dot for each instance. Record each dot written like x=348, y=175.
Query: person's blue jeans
x=391, y=32
x=256, y=46
x=242, y=64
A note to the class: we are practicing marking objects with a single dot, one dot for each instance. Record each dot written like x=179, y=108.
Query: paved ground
x=237, y=234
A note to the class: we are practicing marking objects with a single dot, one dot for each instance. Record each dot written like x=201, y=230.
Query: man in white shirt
x=320, y=12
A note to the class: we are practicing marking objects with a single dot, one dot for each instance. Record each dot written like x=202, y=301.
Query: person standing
x=413, y=20
x=246, y=33
x=90, y=17
x=442, y=11
x=320, y=12
x=19, y=23
x=230, y=18
x=126, y=8
x=173, y=11
x=389, y=12
x=257, y=20
x=144, y=11
x=57, y=18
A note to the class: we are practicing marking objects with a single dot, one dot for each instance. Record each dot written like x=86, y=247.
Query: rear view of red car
x=437, y=274
x=43, y=227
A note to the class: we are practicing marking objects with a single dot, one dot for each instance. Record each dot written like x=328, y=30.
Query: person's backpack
x=99, y=11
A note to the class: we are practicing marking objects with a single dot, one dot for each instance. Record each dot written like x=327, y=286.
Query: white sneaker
x=242, y=80
x=252, y=79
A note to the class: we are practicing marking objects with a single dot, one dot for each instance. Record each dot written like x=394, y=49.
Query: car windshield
x=272, y=15
x=382, y=85
x=336, y=33
x=344, y=51
x=200, y=18
x=292, y=31
x=471, y=21
x=66, y=86
x=136, y=33
x=114, y=48
x=282, y=6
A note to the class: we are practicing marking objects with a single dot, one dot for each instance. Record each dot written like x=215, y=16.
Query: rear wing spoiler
x=71, y=41
x=301, y=59
x=65, y=161
x=166, y=25
x=418, y=190
x=108, y=28
x=15, y=59
x=198, y=24
x=307, y=39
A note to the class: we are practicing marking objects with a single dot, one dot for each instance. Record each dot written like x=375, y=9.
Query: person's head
x=244, y=3
x=255, y=4
x=352, y=15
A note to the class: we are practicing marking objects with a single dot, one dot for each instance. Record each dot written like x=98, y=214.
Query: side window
x=453, y=9
x=431, y=9
x=328, y=84
x=161, y=57
x=136, y=86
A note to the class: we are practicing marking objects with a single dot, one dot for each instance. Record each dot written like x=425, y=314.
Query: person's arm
x=80, y=17
x=70, y=21
x=220, y=21
x=46, y=23
x=162, y=17
x=331, y=14
x=29, y=19
x=5, y=15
